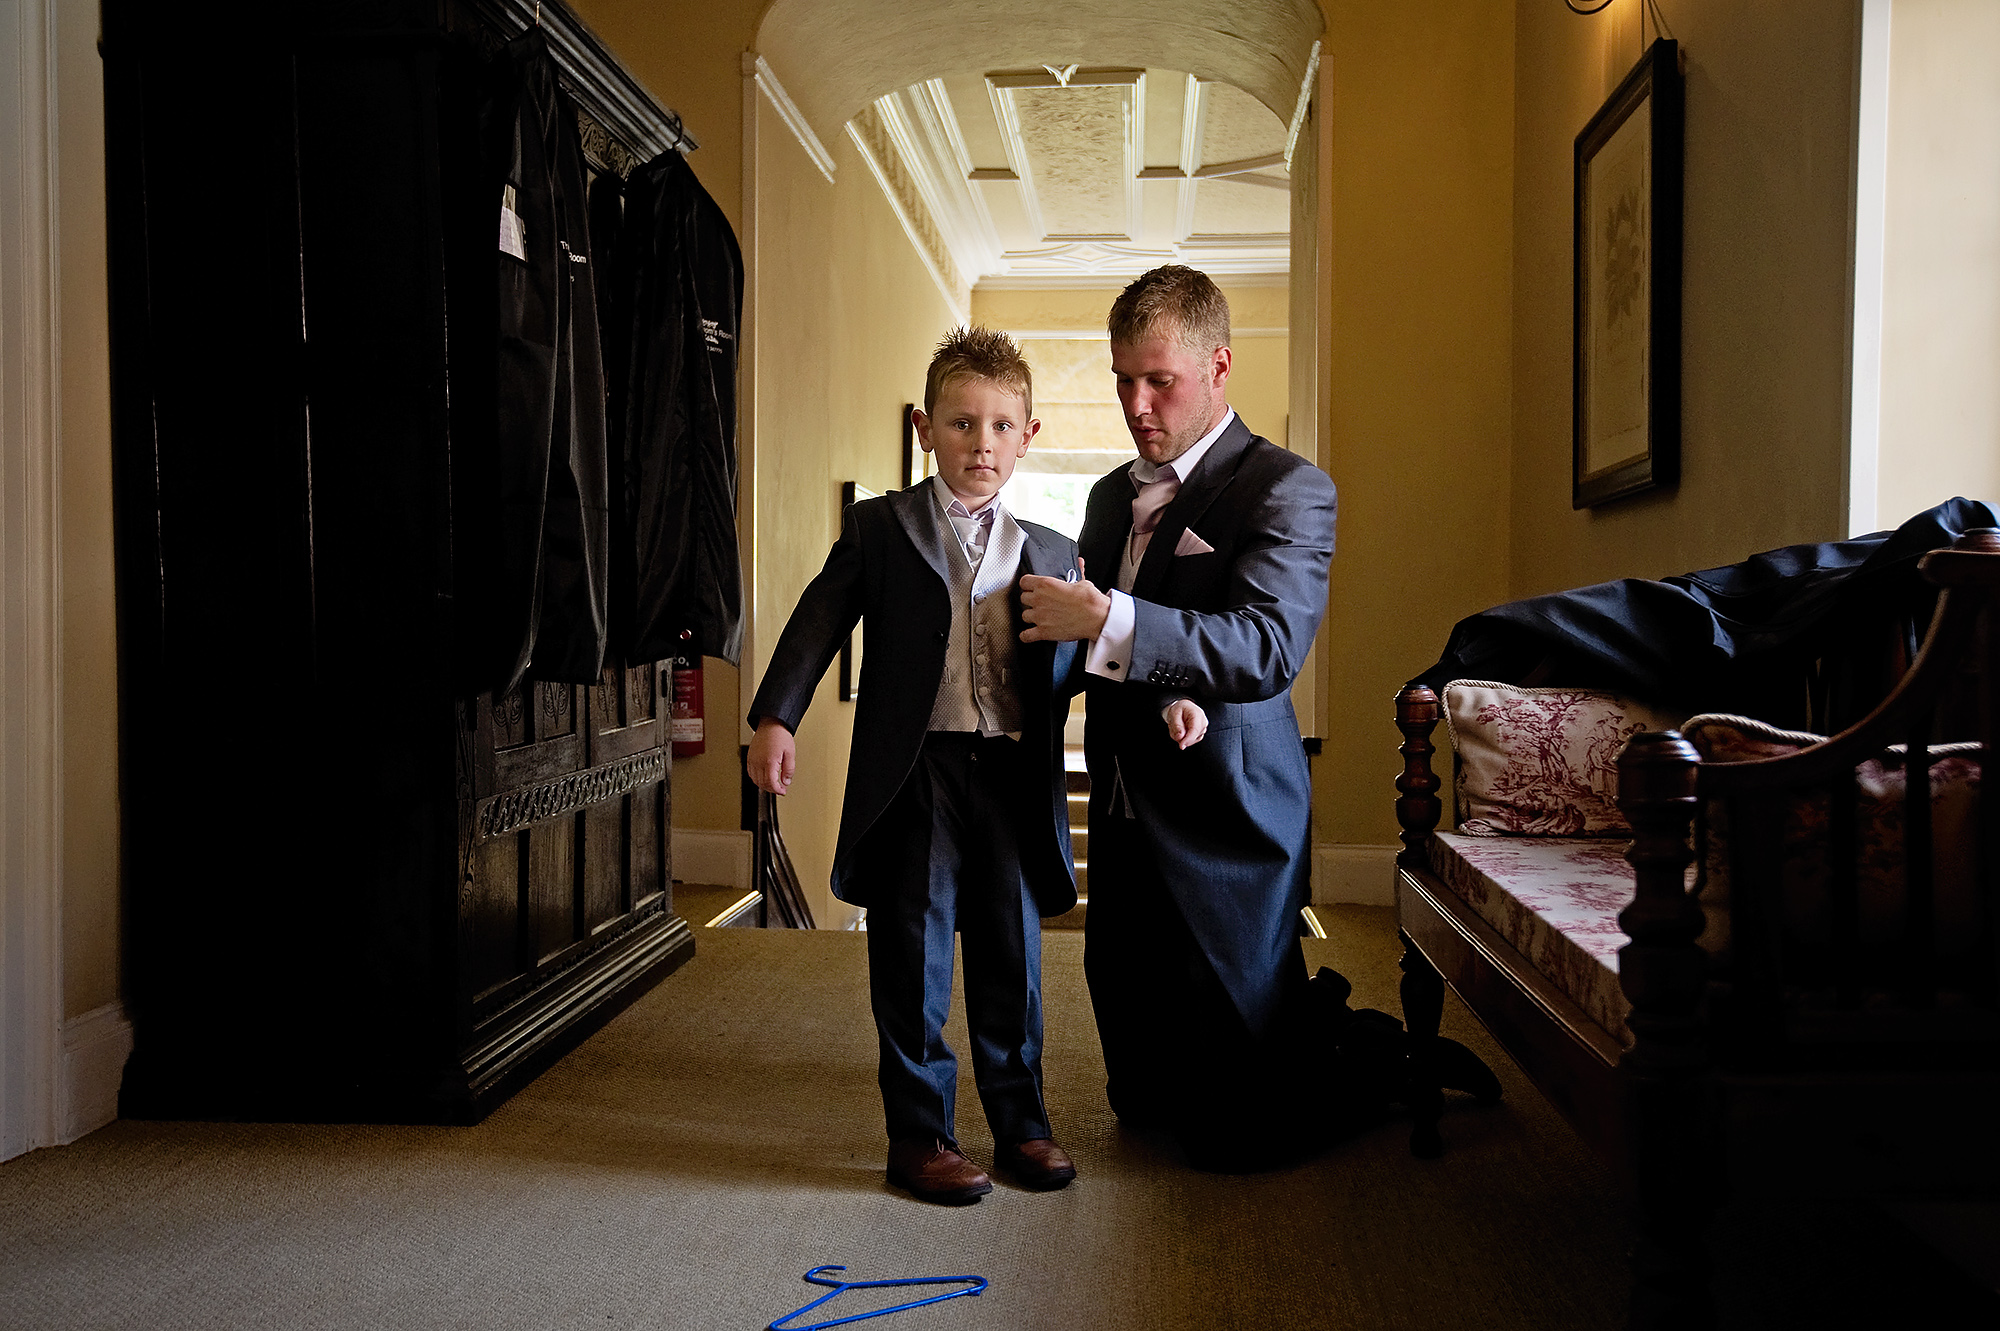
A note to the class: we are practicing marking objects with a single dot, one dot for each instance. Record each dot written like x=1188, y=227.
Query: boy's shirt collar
x=972, y=527
x=957, y=507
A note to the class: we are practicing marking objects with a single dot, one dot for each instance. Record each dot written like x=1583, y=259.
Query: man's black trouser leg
x=1176, y=1050
x=1135, y=962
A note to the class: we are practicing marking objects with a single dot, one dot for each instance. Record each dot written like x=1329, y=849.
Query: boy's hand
x=1059, y=611
x=773, y=757
x=1186, y=722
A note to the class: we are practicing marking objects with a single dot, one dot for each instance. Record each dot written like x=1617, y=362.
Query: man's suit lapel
x=916, y=509
x=1102, y=542
x=1218, y=466
x=1046, y=558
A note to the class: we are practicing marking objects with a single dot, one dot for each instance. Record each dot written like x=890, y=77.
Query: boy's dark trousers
x=943, y=856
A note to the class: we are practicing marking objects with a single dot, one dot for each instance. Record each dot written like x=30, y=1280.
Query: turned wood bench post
x=1417, y=810
x=1664, y=972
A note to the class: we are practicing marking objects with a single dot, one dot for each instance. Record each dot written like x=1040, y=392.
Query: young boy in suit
x=956, y=815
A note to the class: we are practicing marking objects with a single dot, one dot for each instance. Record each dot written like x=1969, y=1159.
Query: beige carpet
x=689, y=1163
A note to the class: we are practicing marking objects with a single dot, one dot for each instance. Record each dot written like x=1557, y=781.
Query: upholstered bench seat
x=1556, y=900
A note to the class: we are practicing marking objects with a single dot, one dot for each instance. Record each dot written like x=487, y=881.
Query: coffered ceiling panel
x=1067, y=173
x=1235, y=127
x=1239, y=207
x=1076, y=144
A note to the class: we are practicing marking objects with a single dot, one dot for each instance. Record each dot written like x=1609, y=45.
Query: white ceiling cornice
x=874, y=139
x=788, y=111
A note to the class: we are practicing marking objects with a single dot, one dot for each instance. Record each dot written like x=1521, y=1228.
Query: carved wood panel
x=564, y=829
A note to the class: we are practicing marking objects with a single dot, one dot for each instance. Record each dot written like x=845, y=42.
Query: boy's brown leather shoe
x=1039, y=1164
x=934, y=1171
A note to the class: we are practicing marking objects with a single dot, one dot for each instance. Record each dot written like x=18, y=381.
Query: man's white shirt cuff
x=1111, y=651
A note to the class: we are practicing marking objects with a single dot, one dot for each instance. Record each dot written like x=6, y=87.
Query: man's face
x=1172, y=396
x=978, y=432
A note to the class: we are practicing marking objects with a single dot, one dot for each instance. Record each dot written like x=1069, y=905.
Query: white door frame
x=30, y=586
x=1867, y=235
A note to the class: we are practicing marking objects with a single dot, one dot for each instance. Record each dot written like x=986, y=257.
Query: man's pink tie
x=1147, y=505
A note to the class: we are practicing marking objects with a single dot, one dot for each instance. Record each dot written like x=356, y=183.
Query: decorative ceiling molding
x=1299, y=109
x=1066, y=176
x=872, y=136
x=1056, y=132
x=841, y=57
x=1247, y=164
x=1055, y=176
x=788, y=111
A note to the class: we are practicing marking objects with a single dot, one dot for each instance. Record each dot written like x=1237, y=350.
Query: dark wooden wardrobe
x=357, y=887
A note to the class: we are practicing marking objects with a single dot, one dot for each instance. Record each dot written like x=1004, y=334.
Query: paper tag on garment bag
x=513, y=235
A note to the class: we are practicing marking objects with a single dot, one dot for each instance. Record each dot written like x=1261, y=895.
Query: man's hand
x=1186, y=722
x=1059, y=611
x=773, y=757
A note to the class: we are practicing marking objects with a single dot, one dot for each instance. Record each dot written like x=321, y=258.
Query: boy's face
x=978, y=432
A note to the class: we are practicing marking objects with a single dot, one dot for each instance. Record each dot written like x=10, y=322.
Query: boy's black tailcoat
x=888, y=567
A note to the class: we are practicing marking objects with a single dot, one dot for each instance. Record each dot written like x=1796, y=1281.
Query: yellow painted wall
x=846, y=320
x=1941, y=270
x=1764, y=347
x=90, y=901
x=1418, y=101
x=689, y=55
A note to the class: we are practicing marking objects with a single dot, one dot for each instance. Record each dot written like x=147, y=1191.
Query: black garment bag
x=540, y=604
x=677, y=280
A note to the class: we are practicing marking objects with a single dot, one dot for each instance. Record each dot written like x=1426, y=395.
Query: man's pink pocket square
x=1190, y=544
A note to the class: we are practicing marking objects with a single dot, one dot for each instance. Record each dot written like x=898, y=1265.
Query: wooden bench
x=1834, y=1071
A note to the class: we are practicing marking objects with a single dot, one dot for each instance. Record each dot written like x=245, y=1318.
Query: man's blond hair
x=1171, y=301
x=979, y=353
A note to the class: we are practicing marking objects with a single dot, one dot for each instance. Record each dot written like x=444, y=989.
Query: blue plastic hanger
x=973, y=1285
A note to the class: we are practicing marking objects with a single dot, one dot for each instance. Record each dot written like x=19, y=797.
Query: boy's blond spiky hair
x=978, y=353
x=1180, y=302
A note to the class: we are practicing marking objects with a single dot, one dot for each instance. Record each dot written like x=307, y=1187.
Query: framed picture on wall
x=1627, y=337
x=850, y=651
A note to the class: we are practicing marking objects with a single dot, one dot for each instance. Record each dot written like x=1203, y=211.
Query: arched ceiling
x=837, y=58
x=1061, y=141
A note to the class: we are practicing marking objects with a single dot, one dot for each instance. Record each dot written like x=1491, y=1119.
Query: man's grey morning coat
x=1227, y=819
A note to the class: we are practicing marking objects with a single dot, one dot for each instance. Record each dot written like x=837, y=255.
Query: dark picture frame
x=850, y=651
x=1626, y=408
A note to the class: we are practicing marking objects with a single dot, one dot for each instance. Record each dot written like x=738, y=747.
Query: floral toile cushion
x=1541, y=762
x=1880, y=785
x=1556, y=899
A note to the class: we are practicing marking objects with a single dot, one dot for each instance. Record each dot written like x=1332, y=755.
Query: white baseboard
x=94, y=1049
x=1354, y=875
x=720, y=858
